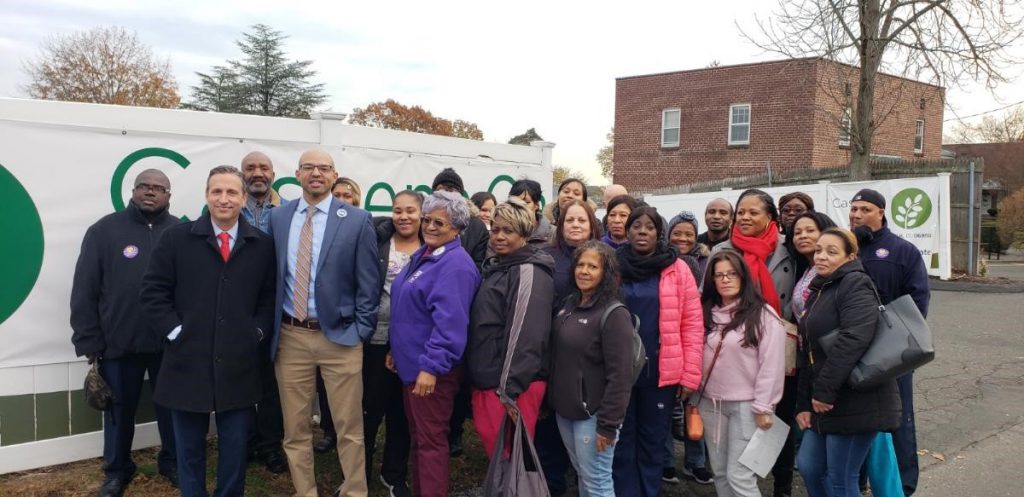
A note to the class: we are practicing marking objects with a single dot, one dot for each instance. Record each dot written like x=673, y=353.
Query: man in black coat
x=209, y=292
x=109, y=327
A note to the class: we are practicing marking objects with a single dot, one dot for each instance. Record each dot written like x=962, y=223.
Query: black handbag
x=902, y=343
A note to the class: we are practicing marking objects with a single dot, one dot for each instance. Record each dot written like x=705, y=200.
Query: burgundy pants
x=488, y=411
x=428, y=430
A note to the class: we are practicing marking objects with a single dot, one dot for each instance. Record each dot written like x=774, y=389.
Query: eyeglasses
x=793, y=210
x=146, y=188
x=323, y=168
x=435, y=222
x=728, y=275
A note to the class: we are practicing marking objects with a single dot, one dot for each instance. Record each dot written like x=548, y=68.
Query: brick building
x=706, y=124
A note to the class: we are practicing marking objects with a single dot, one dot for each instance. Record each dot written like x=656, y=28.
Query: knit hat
x=870, y=196
x=683, y=217
x=448, y=176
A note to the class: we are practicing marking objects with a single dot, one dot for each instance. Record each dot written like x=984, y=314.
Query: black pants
x=326, y=420
x=552, y=454
x=125, y=375
x=786, y=411
x=267, y=430
x=382, y=401
x=461, y=411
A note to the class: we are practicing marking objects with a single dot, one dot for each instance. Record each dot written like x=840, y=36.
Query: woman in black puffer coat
x=841, y=423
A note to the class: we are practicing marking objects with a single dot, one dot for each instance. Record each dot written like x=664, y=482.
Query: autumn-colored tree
x=526, y=138
x=264, y=82
x=1009, y=127
x=562, y=173
x=390, y=114
x=105, y=65
x=1010, y=220
x=605, y=156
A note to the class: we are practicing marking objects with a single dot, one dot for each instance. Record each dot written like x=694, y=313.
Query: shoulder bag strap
x=707, y=376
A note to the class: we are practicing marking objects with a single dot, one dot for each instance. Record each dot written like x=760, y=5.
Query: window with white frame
x=845, y=123
x=739, y=124
x=919, y=137
x=670, y=127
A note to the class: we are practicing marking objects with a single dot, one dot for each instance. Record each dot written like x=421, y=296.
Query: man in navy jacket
x=109, y=326
x=897, y=268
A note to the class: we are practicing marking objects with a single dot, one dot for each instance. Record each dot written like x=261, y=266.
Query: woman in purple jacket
x=430, y=302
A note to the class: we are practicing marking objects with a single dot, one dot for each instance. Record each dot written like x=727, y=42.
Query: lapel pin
x=342, y=213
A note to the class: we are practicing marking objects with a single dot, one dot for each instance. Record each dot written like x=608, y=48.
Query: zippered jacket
x=515, y=298
x=844, y=300
x=106, y=316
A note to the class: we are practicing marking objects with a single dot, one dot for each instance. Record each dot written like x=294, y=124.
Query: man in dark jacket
x=897, y=268
x=474, y=240
x=268, y=429
x=209, y=291
x=109, y=327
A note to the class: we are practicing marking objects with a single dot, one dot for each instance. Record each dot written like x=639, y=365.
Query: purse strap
x=707, y=376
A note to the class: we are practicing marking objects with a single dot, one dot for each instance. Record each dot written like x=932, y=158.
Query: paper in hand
x=764, y=447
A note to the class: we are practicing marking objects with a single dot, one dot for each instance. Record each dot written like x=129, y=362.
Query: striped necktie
x=300, y=293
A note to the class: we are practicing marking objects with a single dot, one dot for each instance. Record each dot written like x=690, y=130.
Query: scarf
x=636, y=267
x=756, y=250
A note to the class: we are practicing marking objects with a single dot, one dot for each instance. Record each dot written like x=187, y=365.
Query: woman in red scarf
x=757, y=237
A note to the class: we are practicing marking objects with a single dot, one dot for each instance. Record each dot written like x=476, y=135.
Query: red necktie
x=225, y=245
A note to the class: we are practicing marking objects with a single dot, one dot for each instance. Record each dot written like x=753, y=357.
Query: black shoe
x=700, y=475
x=455, y=447
x=668, y=475
x=399, y=489
x=325, y=445
x=113, y=487
x=275, y=462
x=171, y=474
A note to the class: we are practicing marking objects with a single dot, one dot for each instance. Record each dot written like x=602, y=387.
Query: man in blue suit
x=327, y=298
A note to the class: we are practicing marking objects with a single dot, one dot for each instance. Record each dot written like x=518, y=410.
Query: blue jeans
x=640, y=451
x=830, y=464
x=125, y=375
x=190, y=430
x=594, y=468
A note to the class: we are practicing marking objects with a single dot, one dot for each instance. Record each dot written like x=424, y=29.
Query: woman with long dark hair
x=529, y=191
x=575, y=226
x=803, y=235
x=744, y=353
x=839, y=423
x=484, y=203
x=591, y=377
x=660, y=290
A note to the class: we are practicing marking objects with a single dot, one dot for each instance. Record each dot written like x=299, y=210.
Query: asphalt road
x=969, y=401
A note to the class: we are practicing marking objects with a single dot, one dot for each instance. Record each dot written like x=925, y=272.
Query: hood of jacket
x=531, y=253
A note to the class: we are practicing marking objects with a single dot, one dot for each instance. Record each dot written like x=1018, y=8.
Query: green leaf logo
x=911, y=208
x=21, y=252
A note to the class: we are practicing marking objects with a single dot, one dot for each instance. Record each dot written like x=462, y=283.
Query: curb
x=955, y=286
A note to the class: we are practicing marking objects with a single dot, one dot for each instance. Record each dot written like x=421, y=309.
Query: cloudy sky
x=549, y=65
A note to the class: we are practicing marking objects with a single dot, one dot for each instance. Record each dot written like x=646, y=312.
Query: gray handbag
x=515, y=476
x=902, y=343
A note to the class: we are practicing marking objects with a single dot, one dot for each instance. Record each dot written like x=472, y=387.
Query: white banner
x=917, y=210
x=57, y=180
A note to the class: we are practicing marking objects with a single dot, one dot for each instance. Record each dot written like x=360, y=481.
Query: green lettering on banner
x=381, y=185
x=21, y=256
x=117, y=180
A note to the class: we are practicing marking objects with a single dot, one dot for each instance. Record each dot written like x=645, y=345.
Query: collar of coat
x=204, y=227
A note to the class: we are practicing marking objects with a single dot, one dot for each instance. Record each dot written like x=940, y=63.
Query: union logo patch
x=130, y=252
x=882, y=253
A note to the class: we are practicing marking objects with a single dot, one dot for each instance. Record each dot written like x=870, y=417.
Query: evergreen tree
x=264, y=82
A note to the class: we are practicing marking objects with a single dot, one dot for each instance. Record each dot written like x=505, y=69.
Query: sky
x=547, y=65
